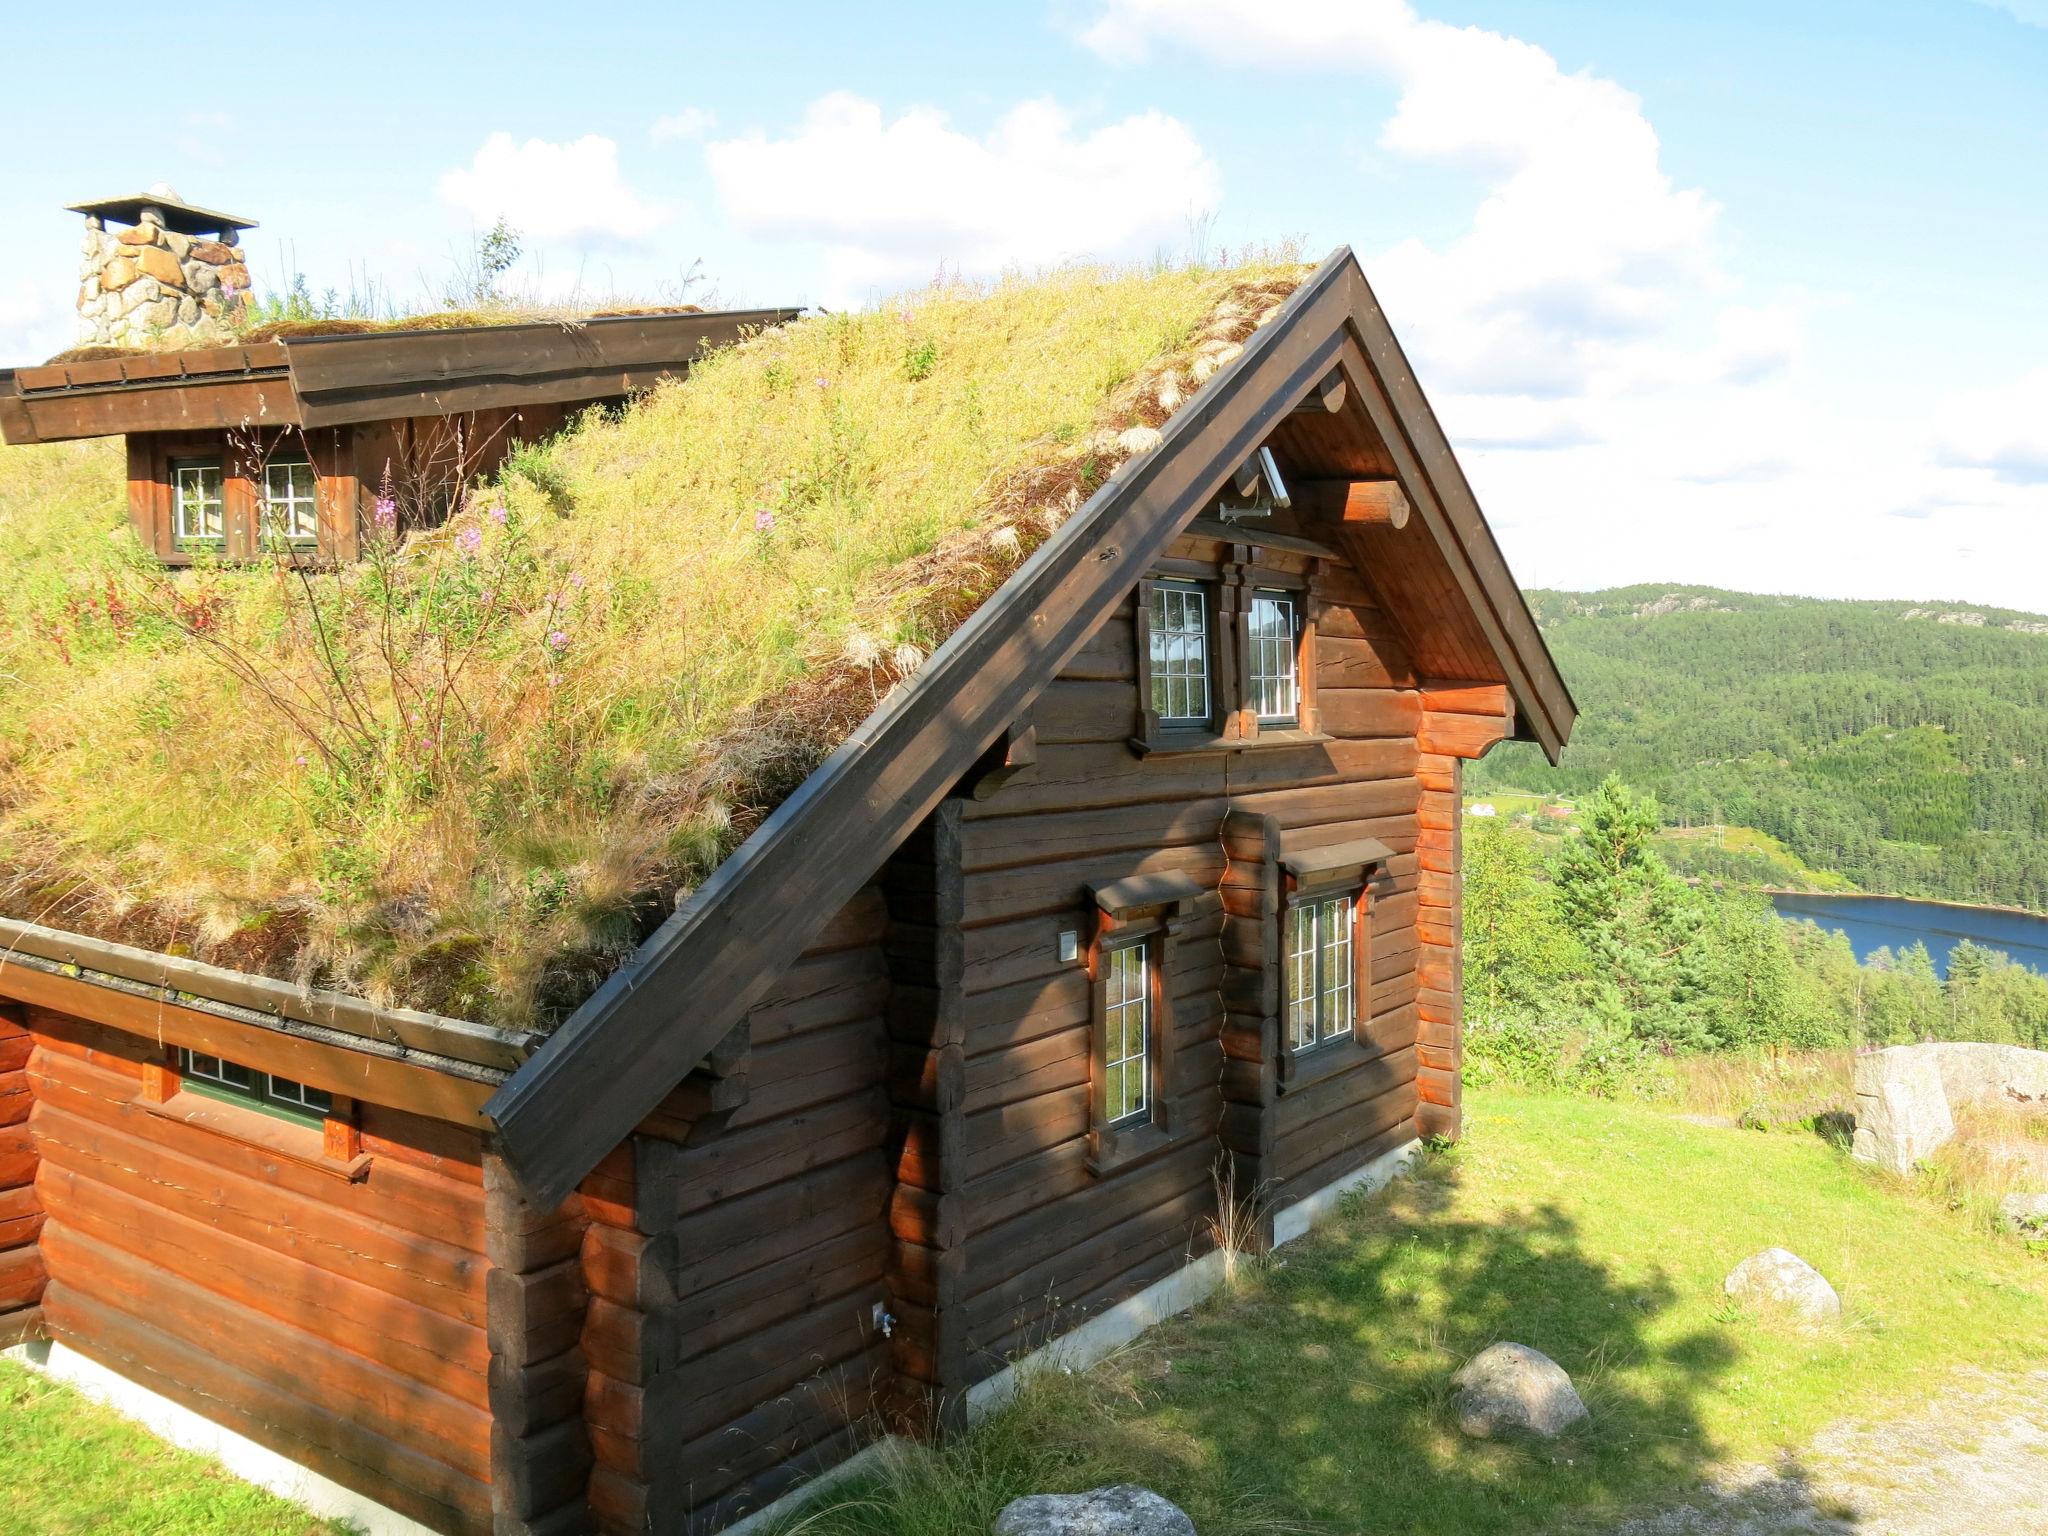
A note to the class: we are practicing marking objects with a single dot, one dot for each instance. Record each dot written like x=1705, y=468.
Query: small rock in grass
x=1779, y=1278
x=1123, y=1509
x=1511, y=1389
x=2027, y=1212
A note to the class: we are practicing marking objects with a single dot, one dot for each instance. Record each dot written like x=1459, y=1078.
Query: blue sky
x=1745, y=294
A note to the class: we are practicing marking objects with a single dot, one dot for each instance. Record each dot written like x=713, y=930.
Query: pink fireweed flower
x=576, y=580
x=385, y=514
x=471, y=539
x=764, y=520
x=823, y=382
x=559, y=640
x=498, y=514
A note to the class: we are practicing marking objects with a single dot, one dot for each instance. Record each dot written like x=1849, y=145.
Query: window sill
x=301, y=1144
x=1321, y=1062
x=1176, y=743
x=1112, y=1150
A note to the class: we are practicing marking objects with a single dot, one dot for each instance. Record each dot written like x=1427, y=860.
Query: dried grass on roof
x=426, y=320
x=471, y=773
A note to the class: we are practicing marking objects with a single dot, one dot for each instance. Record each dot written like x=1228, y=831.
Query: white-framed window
x=291, y=513
x=1127, y=1034
x=198, y=511
x=1273, y=632
x=1180, y=653
x=1320, y=971
x=283, y=1096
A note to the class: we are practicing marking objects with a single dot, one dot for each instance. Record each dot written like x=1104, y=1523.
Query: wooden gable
x=656, y=1018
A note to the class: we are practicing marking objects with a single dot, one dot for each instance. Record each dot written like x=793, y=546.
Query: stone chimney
x=172, y=277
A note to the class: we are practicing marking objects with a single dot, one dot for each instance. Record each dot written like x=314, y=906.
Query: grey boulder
x=1779, y=1278
x=1511, y=1389
x=2027, y=1212
x=1123, y=1509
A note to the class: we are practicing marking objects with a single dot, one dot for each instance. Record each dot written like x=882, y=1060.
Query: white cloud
x=1582, y=242
x=690, y=123
x=571, y=192
x=34, y=322
x=2029, y=13
x=1625, y=410
x=2003, y=429
x=895, y=199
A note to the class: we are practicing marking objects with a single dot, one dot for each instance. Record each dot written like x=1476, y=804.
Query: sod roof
x=469, y=774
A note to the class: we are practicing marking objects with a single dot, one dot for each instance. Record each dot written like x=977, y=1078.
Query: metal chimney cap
x=185, y=218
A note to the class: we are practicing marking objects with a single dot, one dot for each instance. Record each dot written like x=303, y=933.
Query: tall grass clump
x=469, y=772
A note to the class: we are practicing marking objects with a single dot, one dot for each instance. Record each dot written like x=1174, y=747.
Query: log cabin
x=283, y=446
x=278, y=440
x=1130, y=915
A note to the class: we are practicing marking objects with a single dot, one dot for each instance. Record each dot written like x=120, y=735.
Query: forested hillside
x=1903, y=745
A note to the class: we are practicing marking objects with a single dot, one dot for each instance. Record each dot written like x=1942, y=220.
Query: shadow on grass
x=1320, y=1395
x=1316, y=1397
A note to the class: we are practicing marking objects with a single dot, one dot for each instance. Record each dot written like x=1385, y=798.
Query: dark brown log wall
x=736, y=1264
x=21, y=1213
x=536, y=1300
x=1048, y=1242
x=339, y=1321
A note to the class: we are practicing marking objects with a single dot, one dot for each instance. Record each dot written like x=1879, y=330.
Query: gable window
x=1179, y=653
x=1320, y=971
x=290, y=502
x=281, y=1096
x=1273, y=637
x=198, y=508
x=1220, y=655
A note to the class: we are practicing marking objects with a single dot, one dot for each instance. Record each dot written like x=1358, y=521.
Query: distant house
x=1153, y=865
x=241, y=448
x=1482, y=808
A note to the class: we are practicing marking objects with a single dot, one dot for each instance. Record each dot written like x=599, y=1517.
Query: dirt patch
x=1972, y=1461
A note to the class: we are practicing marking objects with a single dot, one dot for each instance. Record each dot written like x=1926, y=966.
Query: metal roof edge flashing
x=461, y=1047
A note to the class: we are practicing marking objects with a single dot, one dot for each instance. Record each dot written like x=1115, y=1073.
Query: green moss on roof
x=472, y=772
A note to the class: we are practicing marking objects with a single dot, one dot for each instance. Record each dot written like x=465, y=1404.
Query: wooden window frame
x=243, y=460
x=1148, y=912
x=175, y=464
x=1296, y=600
x=1356, y=931
x=1234, y=724
x=286, y=458
x=1309, y=877
x=329, y=1141
x=1156, y=724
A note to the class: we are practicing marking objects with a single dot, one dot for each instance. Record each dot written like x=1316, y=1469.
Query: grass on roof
x=448, y=319
x=470, y=773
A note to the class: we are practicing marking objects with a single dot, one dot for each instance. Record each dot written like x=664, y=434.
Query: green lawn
x=1598, y=1233
x=73, y=1468
x=1314, y=1396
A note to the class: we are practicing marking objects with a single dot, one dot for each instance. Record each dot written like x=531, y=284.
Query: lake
x=1896, y=922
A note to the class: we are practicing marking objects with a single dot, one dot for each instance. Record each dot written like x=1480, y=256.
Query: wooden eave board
x=324, y=381
x=380, y=375
x=203, y=389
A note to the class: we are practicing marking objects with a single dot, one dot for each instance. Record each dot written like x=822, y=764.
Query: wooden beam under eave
x=1327, y=398
x=1376, y=503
